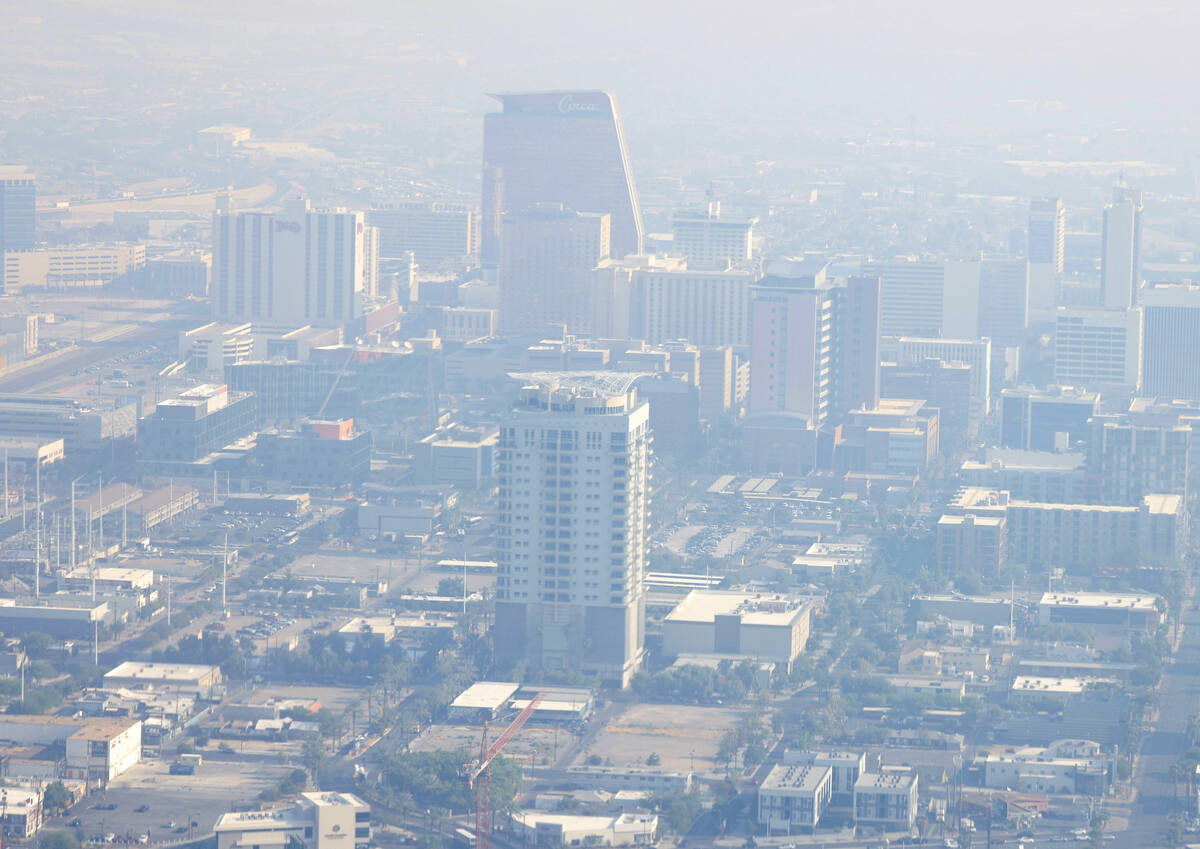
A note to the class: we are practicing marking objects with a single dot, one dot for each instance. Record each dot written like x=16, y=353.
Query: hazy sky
x=988, y=72
x=1110, y=54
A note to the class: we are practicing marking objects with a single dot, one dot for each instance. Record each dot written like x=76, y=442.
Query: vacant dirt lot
x=679, y=734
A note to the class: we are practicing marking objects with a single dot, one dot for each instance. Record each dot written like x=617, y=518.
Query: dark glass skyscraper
x=18, y=213
x=559, y=147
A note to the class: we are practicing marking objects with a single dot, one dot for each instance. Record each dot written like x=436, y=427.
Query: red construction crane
x=479, y=776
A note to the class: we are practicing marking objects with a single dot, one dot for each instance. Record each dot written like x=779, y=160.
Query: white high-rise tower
x=1121, y=249
x=573, y=467
x=296, y=266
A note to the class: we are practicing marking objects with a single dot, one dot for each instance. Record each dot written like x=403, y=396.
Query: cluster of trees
x=47, y=685
x=328, y=657
x=697, y=685
x=749, y=737
x=678, y=811
x=292, y=783
x=434, y=779
x=212, y=649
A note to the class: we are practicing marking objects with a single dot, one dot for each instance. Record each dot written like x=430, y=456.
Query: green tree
x=677, y=811
x=451, y=587
x=57, y=840
x=315, y=758
x=1096, y=829
x=56, y=797
x=435, y=779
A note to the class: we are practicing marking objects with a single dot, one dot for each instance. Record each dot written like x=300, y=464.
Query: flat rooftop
x=807, y=777
x=486, y=695
x=889, y=780
x=113, y=573
x=972, y=519
x=267, y=820
x=161, y=671
x=1126, y=601
x=1055, y=686
x=1021, y=459
x=157, y=498
x=328, y=798
x=753, y=608
x=1169, y=504
x=104, y=728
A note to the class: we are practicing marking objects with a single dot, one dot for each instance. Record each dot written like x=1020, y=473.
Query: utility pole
x=100, y=509
x=168, y=601
x=5, y=483
x=224, y=573
x=73, y=546
x=37, y=560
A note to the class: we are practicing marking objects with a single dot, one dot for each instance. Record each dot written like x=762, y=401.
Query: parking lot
x=720, y=540
x=171, y=802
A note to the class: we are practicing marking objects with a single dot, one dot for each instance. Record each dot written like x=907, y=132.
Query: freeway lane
x=131, y=337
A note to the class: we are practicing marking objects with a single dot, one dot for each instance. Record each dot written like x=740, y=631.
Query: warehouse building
x=482, y=700
x=58, y=621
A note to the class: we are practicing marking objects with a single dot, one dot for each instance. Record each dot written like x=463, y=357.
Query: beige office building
x=70, y=268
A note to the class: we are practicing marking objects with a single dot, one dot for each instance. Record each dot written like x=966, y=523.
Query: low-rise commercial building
x=161, y=505
x=482, y=700
x=110, y=579
x=544, y=829
x=828, y=559
x=24, y=452
x=319, y=820
x=83, y=428
x=759, y=626
x=288, y=504
x=942, y=689
x=1056, y=689
x=55, y=620
x=20, y=811
x=1140, y=612
x=197, y=678
x=96, y=750
x=460, y=456
x=612, y=778
x=1065, y=766
x=897, y=436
